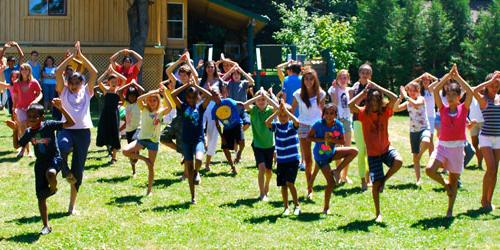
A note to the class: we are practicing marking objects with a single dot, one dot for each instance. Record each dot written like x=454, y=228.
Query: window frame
x=176, y=21
x=48, y=15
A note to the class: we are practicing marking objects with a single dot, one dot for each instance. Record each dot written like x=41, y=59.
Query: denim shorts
x=190, y=149
x=149, y=145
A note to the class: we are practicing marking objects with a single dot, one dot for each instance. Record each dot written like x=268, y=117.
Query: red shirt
x=375, y=130
x=25, y=93
x=130, y=73
x=453, y=127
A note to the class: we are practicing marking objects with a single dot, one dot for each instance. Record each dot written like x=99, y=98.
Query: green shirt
x=262, y=135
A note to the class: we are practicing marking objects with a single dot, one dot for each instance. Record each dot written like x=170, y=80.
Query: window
x=175, y=19
x=47, y=7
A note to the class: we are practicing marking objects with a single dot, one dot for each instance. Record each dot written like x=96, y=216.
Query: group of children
x=198, y=111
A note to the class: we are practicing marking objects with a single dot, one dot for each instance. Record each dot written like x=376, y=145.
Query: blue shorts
x=149, y=145
x=324, y=162
x=189, y=150
x=375, y=163
x=49, y=92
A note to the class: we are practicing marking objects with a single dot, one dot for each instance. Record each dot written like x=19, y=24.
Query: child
x=326, y=133
x=374, y=118
x=108, y=130
x=35, y=66
x=339, y=94
x=41, y=133
x=26, y=91
x=489, y=138
x=48, y=81
x=226, y=111
x=193, y=135
x=237, y=89
x=449, y=153
x=11, y=67
x=149, y=136
x=263, y=143
x=287, y=154
x=425, y=81
x=420, y=136
x=132, y=113
x=309, y=99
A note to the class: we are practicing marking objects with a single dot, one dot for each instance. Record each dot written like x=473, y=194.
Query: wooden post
x=250, y=46
x=158, y=22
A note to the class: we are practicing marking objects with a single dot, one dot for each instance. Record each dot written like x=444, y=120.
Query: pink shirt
x=25, y=93
x=453, y=127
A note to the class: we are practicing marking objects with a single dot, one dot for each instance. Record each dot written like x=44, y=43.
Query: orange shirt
x=375, y=130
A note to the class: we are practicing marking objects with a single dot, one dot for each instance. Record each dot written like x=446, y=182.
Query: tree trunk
x=138, y=25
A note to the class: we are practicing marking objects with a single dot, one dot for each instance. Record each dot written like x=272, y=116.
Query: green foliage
x=313, y=33
x=459, y=13
x=481, y=51
x=437, y=38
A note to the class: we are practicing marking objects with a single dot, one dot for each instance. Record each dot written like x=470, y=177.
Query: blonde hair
x=30, y=75
x=343, y=71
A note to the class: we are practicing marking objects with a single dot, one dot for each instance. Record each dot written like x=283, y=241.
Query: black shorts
x=263, y=155
x=232, y=136
x=172, y=132
x=286, y=172
x=41, y=182
x=132, y=135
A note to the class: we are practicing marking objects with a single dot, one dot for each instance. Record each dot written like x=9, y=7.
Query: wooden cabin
x=53, y=26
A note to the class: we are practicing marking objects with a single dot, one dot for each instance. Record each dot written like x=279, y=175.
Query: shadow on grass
x=9, y=159
x=29, y=238
x=36, y=218
x=347, y=191
x=476, y=213
x=307, y=217
x=262, y=219
x=473, y=167
x=114, y=179
x=2, y=153
x=360, y=225
x=318, y=188
x=405, y=186
x=306, y=201
x=174, y=207
x=126, y=200
x=219, y=174
x=96, y=166
x=166, y=182
x=434, y=223
x=241, y=202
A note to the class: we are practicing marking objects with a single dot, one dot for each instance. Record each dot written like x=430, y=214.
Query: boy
x=35, y=66
x=41, y=134
x=287, y=154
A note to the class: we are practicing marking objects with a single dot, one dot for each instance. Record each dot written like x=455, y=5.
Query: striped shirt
x=287, y=142
x=491, y=115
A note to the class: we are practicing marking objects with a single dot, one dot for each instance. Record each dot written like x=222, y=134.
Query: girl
x=75, y=96
x=193, y=134
x=149, y=136
x=108, y=130
x=127, y=68
x=489, y=138
x=339, y=94
x=26, y=91
x=326, y=133
x=310, y=99
x=263, y=143
x=132, y=113
x=365, y=74
x=374, y=118
x=449, y=153
x=210, y=77
x=420, y=136
x=238, y=90
x=48, y=81
x=287, y=153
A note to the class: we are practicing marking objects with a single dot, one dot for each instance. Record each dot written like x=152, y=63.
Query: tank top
x=358, y=88
x=491, y=115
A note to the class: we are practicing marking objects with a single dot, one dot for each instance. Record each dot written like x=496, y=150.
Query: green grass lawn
x=115, y=214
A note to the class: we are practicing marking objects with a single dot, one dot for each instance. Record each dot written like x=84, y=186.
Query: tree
x=481, y=53
x=372, y=27
x=459, y=13
x=405, y=43
x=436, y=53
x=138, y=26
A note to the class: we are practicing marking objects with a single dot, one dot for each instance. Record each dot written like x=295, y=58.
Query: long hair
x=204, y=77
x=45, y=62
x=316, y=88
x=381, y=101
x=30, y=75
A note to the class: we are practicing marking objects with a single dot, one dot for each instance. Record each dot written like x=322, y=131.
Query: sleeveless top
x=418, y=117
x=491, y=115
x=358, y=88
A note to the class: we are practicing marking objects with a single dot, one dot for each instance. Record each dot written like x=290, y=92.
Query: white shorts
x=486, y=141
x=21, y=115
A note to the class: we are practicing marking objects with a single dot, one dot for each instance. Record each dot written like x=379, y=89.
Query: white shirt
x=430, y=104
x=342, y=102
x=78, y=106
x=132, y=116
x=308, y=116
x=475, y=111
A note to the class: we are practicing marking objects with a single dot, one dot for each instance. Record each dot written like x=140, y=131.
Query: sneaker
x=264, y=198
x=286, y=212
x=46, y=230
x=193, y=201
x=296, y=211
x=302, y=167
x=197, y=179
x=326, y=212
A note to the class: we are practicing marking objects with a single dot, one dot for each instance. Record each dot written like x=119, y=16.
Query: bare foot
x=70, y=178
x=73, y=212
x=449, y=214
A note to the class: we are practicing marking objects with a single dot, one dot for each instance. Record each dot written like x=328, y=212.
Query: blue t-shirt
x=290, y=85
x=43, y=140
x=8, y=71
x=227, y=112
x=192, y=123
x=286, y=142
x=321, y=150
x=51, y=71
x=37, y=70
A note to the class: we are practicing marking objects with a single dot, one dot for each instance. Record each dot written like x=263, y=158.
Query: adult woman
x=127, y=68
